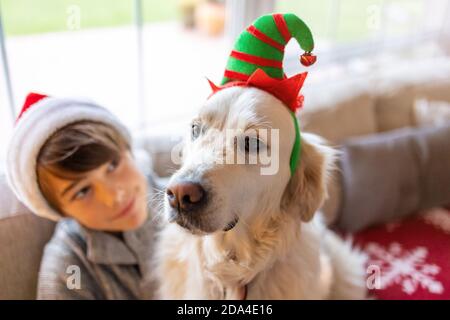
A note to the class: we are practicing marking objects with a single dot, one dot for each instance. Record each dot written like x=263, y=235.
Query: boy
x=70, y=161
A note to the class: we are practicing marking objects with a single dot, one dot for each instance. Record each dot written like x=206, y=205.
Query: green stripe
x=267, y=25
x=248, y=68
x=251, y=45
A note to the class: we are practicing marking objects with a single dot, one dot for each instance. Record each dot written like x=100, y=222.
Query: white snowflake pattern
x=439, y=218
x=407, y=268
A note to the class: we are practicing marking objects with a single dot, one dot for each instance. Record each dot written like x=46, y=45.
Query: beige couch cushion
x=435, y=90
x=22, y=238
x=348, y=118
x=395, y=108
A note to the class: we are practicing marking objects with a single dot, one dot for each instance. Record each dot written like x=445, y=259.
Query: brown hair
x=76, y=149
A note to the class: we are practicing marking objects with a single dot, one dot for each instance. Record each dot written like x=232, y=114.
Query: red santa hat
x=40, y=117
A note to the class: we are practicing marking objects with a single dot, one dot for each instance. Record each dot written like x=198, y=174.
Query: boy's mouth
x=126, y=210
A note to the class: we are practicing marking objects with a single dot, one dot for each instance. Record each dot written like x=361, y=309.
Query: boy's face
x=111, y=197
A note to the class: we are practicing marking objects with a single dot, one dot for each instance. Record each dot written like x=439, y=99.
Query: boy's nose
x=186, y=196
x=109, y=196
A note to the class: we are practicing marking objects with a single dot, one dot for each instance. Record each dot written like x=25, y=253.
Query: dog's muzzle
x=188, y=201
x=186, y=197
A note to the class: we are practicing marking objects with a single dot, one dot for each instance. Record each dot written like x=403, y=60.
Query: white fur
x=275, y=249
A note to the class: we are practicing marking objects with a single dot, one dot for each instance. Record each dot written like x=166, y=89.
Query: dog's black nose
x=186, y=196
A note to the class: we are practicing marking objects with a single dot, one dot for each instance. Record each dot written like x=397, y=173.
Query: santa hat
x=40, y=117
x=257, y=61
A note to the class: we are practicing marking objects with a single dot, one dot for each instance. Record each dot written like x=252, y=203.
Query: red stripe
x=263, y=62
x=282, y=26
x=235, y=75
x=264, y=38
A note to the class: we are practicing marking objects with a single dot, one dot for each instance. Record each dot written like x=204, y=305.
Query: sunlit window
x=147, y=60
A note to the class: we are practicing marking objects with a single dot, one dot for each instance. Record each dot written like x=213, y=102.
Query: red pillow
x=409, y=259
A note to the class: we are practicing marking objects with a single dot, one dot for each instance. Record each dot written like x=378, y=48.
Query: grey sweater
x=79, y=263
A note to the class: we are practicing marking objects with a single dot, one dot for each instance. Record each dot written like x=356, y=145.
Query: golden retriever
x=232, y=232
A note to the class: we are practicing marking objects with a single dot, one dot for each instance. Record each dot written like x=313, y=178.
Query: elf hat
x=257, y=61
x=40, y=117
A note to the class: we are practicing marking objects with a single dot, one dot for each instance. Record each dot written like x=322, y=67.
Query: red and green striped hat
x=261, y=46
x=257, y=61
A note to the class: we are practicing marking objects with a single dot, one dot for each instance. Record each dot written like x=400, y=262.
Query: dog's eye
x=252, y=144
x=195, y=131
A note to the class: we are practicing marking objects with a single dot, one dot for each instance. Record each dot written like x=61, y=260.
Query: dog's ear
x=307, y=188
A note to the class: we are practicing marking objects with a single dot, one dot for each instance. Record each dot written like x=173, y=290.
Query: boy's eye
x=82, y=193
x=113, y=164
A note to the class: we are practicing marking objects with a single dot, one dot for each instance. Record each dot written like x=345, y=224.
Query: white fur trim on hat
x=32, y=130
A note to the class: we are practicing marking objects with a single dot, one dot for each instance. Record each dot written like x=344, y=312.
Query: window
x=94, y=49
x=79, y=48
x=153, y=76
x=355, y=29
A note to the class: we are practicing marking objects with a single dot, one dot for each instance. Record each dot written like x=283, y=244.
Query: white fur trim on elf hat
x=32, y=130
